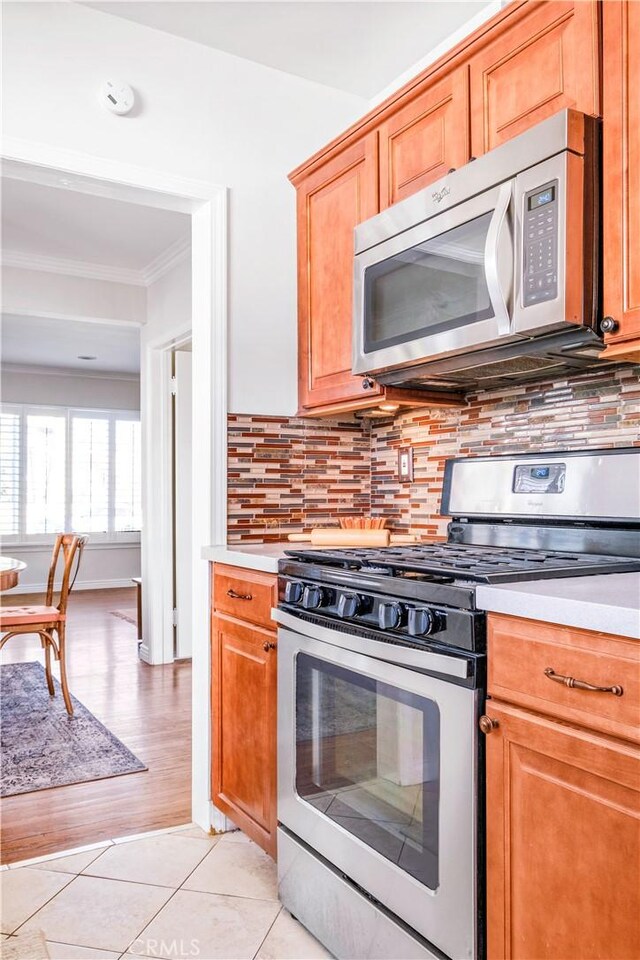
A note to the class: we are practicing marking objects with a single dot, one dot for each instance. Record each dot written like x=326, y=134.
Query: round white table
x=10, y=570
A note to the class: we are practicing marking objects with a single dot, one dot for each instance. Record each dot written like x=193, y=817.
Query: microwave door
x=438, y=288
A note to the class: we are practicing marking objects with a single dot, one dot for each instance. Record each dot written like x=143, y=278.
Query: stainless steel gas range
x=381, y=681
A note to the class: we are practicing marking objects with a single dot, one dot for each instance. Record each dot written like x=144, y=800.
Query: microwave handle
x=499, y=223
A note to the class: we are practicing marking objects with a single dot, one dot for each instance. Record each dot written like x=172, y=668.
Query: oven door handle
x=499, y=259
x=426, y=660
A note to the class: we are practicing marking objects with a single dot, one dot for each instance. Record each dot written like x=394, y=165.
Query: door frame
x=207, y=205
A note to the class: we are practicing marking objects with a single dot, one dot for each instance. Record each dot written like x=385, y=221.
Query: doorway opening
x=201, y=412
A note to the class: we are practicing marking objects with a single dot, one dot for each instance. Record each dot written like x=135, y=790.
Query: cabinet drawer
x=520, y=651
x=245, y=594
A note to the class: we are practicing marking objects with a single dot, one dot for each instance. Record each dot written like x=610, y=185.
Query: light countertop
x=608, y=603
x=253, y=556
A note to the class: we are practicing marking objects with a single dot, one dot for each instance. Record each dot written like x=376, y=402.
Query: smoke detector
x=116, y=96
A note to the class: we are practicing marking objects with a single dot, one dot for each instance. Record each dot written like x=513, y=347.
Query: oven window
x=368, y=757
x=435, y=286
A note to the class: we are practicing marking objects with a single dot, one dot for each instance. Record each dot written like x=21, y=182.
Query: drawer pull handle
x=616, y=690
x=268, y=645
x=238, y=596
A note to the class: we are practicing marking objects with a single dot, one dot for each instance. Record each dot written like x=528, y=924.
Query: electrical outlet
x=405, y=464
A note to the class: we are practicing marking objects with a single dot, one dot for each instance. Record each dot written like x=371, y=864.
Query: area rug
x=42, y=746
x=131, y=616
x=26, y=946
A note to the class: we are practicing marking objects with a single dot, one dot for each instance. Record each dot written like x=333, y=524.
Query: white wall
x=103, y=565
x=203, y=114
x=169, y=303
x=41, y=293
x=168, y=319
x=485, y=12
x=42, y=386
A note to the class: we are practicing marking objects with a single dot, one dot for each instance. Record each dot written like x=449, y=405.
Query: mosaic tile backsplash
x=289, y=475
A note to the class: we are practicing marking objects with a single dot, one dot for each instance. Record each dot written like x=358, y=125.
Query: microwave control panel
x=540, y=246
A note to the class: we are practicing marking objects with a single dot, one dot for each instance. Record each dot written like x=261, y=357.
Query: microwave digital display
x=539, y=199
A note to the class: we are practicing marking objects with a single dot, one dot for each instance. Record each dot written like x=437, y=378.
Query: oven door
x=443, y=286
x=377, y=772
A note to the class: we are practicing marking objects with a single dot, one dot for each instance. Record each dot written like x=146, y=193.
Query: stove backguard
x=594, y=487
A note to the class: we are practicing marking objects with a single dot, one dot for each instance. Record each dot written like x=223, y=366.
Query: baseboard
x=143, y=652
x=80, y=585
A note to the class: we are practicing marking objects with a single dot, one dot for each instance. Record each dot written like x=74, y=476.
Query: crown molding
x=43, y=371
x=165, y=261
x=174, y=254
x=72, y=268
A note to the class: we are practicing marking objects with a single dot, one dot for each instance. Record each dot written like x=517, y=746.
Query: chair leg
x=63, y=669
x=47, y=661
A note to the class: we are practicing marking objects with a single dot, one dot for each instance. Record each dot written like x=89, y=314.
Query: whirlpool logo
x=439, y=195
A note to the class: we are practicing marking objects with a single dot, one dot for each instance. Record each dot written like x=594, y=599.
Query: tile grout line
x=175, y=890
x=148, y=924
x=262, y=942
x=145, y=883
x=72, y=877
x=239, y=896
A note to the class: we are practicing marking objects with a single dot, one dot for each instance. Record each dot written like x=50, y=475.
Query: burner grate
x=454, y=562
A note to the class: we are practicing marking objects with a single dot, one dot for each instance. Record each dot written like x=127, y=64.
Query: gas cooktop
x=460, y=563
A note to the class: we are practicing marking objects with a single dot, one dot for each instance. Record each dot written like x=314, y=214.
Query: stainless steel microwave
x=489, y=275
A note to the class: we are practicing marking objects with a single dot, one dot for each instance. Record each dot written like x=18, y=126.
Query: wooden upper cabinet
x=621, y=168
x=424, y=139
x=331, y=201
x=543, y=60
x=563, y=841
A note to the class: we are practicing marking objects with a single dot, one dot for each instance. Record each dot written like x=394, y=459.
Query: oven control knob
x=293, y=591
x=423, y=621
x=312, y=597
x=348, y=605
x=390, y=615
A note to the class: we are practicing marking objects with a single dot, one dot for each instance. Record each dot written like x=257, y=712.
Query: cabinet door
x=563, y=841
x=544, y=61
x=243, y=668
x=331, y=201
x=426, y=138
x=621, y=173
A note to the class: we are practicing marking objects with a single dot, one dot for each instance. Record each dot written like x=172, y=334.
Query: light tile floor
x=172, y=894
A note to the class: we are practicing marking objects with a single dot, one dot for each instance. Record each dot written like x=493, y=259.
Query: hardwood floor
x=148, y=708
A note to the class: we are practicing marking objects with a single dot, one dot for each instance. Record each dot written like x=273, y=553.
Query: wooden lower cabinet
x=563, y=841
x=243, y=699
x=562, y=795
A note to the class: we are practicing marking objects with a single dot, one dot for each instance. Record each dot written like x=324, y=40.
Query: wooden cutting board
x=336, y=537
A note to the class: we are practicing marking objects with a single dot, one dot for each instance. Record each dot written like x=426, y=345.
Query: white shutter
x=89, y=474
x=10, y=428
x=127, y=496
x=63, y=469
x=45, y=472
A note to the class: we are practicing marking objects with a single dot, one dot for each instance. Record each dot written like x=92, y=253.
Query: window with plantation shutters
x=68, y=469
x=9, y=474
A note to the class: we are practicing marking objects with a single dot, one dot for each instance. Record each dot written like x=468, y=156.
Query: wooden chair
x=49, y=621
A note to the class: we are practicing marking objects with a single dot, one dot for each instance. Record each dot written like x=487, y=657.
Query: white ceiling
x=358, y=47
x=45, y=341
x=44, y=221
